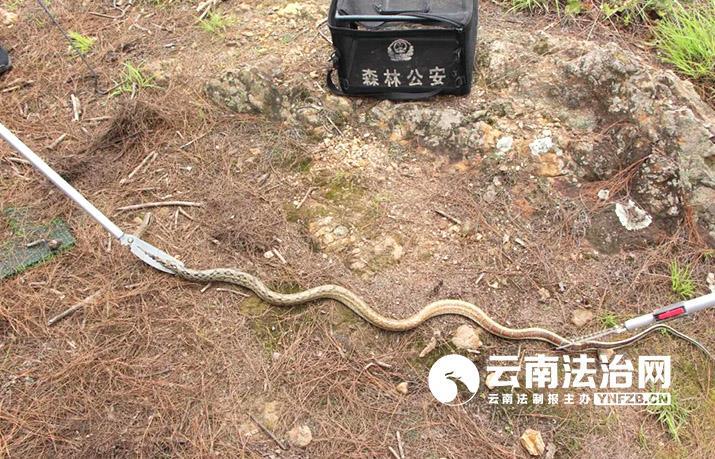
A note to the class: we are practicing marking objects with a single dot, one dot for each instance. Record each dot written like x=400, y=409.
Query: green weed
x=133, y=79
x=632, y=11
x=673, y=416
x=216, y=23
x=82, y=44
x=686, y=39
x=609, y=320
x=681, y=280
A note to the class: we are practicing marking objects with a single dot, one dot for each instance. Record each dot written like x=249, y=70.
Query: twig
x=192, y=141
x=144, y=224
x=206, y=287
x=13, y=159
x=56, y=142
x=76, y=107
x=72, y=309
x=305, y=198
x=236, y=292
x=394, y=453
x=205, y=7
x=147, y=205
x=448, y=217
x=185, y=214
x=147, y=159
x=400, y=448
x=280, y=257
x=20, y=85
x=268, y=432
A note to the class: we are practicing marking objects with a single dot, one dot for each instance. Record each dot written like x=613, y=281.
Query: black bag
x=402, y=49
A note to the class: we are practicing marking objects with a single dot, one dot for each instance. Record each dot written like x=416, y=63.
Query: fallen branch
x=72, y=309
x=56, y=142
x=147, y=159
x=302, y=201
x=268, y=432
x=448, y=217
x=148, y=205
x=229, y=290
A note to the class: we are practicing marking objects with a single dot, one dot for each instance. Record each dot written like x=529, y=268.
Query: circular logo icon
x=400, y=50
x=451, y=374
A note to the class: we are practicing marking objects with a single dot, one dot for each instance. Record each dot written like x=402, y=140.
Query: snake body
x=434, y=309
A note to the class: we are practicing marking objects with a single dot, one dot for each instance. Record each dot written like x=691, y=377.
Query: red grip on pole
x=670, y=314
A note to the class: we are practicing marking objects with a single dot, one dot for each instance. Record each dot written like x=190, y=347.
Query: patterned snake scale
x=434, y=309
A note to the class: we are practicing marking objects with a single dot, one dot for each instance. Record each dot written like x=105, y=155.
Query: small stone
x=466, y=337
x=402, y=388
x=603, y=194
x=632, y=217
x=581, y=317
x=300, y=436
x=291, y=9
x=54, y=244
x=490, y=195
x=341, y=231
x=491, y=381
x=504, y=144
x=358, y=265
x=542, y=145
x=275, y=356
x=532, y=442
x=544, y=294
x=269, y=254
x=550, y=165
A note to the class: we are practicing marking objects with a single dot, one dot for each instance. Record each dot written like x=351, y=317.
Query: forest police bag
x=402, y=49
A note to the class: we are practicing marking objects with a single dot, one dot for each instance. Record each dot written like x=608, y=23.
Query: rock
x=490, y=194
x=402, y=388
x=300, y=436
x=291, y=9
x=550, y=451
x=544, y=294
x=632, y=217
x=543, y=144
x=389, y=244
x=248, y=90
x=532, y=442
x=504, y=144
x=550, y=165
x=581, y=317
x=270, y=414
x=603, y=195
x=341, y=231
x=466, y=337
x=491, y=380
x=339, y=109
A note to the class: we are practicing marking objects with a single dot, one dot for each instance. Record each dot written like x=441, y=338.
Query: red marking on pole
x=670, y=314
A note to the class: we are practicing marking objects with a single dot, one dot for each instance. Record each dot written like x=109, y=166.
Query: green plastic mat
x=32, y=243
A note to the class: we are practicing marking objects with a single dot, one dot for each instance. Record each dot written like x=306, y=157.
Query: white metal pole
x=61, y=183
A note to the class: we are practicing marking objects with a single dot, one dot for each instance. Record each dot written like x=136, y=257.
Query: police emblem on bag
x=400, y=50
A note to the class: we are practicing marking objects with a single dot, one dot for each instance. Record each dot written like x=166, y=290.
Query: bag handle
x=404, y=96
x=402, y=6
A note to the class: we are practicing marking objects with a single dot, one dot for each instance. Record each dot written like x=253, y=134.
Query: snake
x=434, y=309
